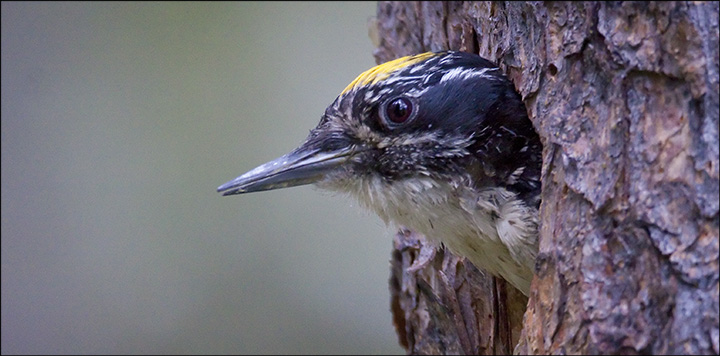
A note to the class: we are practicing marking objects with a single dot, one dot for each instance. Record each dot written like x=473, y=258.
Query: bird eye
x=398, y=110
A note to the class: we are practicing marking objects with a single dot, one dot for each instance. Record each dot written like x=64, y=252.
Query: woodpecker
x=439, y=143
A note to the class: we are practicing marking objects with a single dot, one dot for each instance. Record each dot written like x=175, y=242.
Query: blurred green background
x=119, y=121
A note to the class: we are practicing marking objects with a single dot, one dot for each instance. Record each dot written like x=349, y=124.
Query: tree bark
x=625, y=98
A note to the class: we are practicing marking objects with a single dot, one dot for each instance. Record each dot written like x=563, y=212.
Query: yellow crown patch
x=383, y=71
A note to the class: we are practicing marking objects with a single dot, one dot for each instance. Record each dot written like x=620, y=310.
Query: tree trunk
x=625, y=98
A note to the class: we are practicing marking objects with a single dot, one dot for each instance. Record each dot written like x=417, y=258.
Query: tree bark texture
x=625, y=98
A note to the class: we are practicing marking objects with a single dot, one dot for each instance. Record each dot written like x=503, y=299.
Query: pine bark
x=625, y=98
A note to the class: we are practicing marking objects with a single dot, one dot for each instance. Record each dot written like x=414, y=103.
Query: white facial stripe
x=467, y=73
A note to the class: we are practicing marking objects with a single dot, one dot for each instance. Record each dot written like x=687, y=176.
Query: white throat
x=490, y=227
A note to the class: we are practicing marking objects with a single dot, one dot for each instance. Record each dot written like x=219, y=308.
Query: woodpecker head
x=449, y=117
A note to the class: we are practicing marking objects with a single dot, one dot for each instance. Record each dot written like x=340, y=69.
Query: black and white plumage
x=437, y=142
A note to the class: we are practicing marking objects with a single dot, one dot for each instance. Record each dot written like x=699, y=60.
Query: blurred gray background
x=119, y=121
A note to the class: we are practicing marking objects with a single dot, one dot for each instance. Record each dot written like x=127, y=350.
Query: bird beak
x=299, y=167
